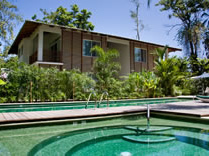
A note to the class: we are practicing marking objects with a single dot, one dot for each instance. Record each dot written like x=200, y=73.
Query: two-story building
x=48, y=45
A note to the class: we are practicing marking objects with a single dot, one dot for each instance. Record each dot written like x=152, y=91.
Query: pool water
x=81, y=105
x=103, y=136
x=109, y=141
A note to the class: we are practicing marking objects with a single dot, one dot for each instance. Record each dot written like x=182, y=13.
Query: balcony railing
x=33, y=58
x=53, y=56
x=48, y=56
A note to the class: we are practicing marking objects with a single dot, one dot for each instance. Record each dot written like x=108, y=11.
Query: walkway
x=190, y=108
x=67, y=114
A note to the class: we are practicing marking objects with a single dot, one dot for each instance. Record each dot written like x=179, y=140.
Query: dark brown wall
x=73, y=56
x=76, y=56
x=140, y=66
x=67, y=48
x=132, y=66
x=73, y=52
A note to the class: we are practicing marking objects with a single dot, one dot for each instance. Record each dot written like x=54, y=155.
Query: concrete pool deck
x=188, y=108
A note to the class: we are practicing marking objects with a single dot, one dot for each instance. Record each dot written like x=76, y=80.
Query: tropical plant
x=73, y=18
x=150, y=84
x=168, y=71
x=144, y=84
x=205, y=16
x=30, y=83
x=189, y=32
x=202, y=66
x=2, y=82
x=105, y=68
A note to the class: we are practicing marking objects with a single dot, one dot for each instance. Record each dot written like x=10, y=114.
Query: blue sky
x=111, y=17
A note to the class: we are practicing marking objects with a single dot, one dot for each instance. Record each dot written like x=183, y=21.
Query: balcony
x=48, y=56
x=33, y=58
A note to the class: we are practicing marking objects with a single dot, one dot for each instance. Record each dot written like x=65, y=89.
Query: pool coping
x=43, y=116
x=17, y=117
x=28, y=103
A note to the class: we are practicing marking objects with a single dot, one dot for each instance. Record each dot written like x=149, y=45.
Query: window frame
x=142, y=61
x=90, y=48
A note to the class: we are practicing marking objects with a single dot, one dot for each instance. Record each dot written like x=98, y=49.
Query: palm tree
x=105, y=68
x=168, y=72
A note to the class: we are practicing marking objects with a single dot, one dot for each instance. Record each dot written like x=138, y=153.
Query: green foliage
x=8, y=19
x=30, y=83
x=105, y=68
x=73, y=18
x=144, y=84
x=2, y=82
x=169, y=71
x=190, y=31
x=26, y=83
x=202, y=66
x=150, y=84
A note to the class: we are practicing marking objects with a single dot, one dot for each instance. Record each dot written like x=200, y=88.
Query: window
x=87, y=45
x=140, y=55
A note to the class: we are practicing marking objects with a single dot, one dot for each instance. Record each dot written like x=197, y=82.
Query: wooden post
x=166, y=54
x=73, y=90
x=107, y=102
x=31, y=94
x=96, y=102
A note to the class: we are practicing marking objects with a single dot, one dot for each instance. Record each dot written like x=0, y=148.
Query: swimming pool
x=81, y=105
x=109, y=141
x=104, y=137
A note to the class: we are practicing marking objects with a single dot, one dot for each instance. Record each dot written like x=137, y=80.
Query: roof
x=29, y=27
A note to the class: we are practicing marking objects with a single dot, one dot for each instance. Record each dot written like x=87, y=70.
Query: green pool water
x=104, y=137
x=81, y=105
x=108, y=141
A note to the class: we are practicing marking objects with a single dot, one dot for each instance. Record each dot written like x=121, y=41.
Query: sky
x=112, y=17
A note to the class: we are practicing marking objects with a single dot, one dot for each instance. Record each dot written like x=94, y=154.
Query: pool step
x=151, y=129
x=148, y=139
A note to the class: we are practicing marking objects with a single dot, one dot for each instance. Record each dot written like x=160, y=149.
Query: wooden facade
x=72, y=46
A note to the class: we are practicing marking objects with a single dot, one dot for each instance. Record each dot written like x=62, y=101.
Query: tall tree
x=205, y=15
x=135, y=17
x=73, y=18
x=8, y=20
x=191, y=28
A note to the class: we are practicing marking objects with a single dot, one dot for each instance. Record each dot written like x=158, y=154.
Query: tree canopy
x=73, y=18
x=189, y=12
x=8, y=19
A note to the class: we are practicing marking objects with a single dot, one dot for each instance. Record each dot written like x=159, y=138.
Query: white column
x=40, y=45
x=166, y=54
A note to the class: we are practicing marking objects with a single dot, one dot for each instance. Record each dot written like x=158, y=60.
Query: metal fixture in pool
x=144, y=135
x=90, y=98
x=101, y=98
